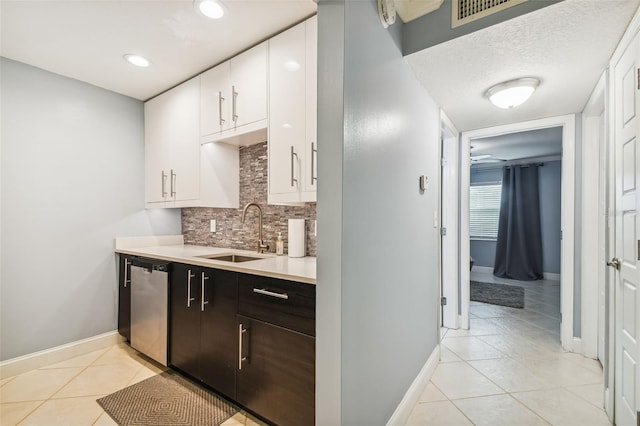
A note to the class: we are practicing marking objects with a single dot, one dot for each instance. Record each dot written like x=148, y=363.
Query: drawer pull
x=271, y=293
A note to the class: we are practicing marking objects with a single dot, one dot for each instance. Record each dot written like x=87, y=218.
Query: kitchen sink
x=235, y=258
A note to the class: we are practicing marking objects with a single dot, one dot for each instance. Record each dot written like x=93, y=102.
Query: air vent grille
x=465, y=11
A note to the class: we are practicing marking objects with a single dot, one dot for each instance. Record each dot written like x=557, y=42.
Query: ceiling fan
x=485, y=158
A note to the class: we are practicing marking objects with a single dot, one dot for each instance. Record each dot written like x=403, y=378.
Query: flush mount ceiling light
x=136, y=60
x=210, y=8
x=512, y=93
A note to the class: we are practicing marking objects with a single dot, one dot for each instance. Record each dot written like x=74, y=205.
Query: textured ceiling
x=515, y=146
x=85, y=40
x=566, y=45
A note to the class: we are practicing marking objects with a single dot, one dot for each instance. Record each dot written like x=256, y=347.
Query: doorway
x=509, y=278
x=567, y=124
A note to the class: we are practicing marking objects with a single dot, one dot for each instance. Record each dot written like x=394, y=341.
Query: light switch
x=213, y=225
x=424, y=183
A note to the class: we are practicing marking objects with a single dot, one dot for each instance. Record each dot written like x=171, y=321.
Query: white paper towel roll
x=297, y=237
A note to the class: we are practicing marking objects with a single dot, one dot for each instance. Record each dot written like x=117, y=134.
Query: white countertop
x=301, y=269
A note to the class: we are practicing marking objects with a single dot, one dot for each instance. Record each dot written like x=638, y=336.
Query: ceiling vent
x=465, y=11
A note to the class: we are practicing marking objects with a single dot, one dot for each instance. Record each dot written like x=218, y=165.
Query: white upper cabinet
x=179, y=172
x=172, y=146
x=215, y=101
x=311, y=109
x=249, y=86
x=293, y=114
x=234, y=98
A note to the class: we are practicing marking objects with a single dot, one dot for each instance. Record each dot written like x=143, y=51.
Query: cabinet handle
x=126, y=264
x=173, y=184
x=241, y=359
x=314, y=151
x=293, y=154
x=189, y=298
x=202, y=301
x=164, y=184
x=233, y=103
x=220, y=100
x=271, y=293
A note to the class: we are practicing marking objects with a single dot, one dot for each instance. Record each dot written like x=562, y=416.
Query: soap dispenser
x=279, y=245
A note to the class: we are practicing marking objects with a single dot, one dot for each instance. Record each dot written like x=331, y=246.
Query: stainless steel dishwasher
x=149, y=307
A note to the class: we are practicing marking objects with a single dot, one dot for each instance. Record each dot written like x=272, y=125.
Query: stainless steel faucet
x=261, y=245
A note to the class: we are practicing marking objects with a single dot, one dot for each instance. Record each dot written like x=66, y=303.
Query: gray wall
x=72, y=180
x=549, y=180
x=550, y=186
x=435, y=28
x=375, y=225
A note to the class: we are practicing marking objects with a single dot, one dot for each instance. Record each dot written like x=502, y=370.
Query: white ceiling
x=515, y=146
x=85, y=40
x=566, y=45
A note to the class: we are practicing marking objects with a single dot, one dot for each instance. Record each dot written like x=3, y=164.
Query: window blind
x=484, y=210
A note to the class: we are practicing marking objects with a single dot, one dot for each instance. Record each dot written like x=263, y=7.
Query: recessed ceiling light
x=210, y=8
x=480, y=157
x=512, y=93
x=137, y=60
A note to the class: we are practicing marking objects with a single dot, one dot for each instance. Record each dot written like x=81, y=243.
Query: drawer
x=288, y=304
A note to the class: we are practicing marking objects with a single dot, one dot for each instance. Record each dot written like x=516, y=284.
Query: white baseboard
x=577, y=345
x=489, y=270
x=551, y=276
x=410, y=399
x=22, y=364
x=482, y=269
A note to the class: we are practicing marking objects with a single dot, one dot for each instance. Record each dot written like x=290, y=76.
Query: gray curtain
x=519, y=244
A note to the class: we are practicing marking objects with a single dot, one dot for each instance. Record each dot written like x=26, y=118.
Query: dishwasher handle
x=151, y=264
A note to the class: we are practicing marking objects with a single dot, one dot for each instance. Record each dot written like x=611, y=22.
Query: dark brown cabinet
x=203, y=339
x=276, y=346
x=124, y=296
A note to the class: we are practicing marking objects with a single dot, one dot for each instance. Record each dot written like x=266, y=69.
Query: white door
x=627, y=224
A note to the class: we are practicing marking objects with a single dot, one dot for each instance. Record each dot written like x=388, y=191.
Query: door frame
x=594, y=138
x=568, y=124
x=449, y=258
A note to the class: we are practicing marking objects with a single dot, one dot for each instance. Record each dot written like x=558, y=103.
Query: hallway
x=509, y=369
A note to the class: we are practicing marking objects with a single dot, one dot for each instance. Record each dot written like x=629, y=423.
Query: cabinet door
x=277, y=376
x=215, y=100
x=124, y=296
x=287, y=116
x=311, y=68
x=157, y=148
x=249, y=80
x=218, y=335
x=184, y=173
x=184, y=346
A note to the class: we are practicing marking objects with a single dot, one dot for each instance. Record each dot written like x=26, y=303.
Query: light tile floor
x=66, y=393
x=509, y=369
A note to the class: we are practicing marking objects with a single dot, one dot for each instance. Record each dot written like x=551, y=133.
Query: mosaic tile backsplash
x=230, y=231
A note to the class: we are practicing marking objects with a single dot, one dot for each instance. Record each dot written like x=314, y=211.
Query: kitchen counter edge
x=282, y=267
